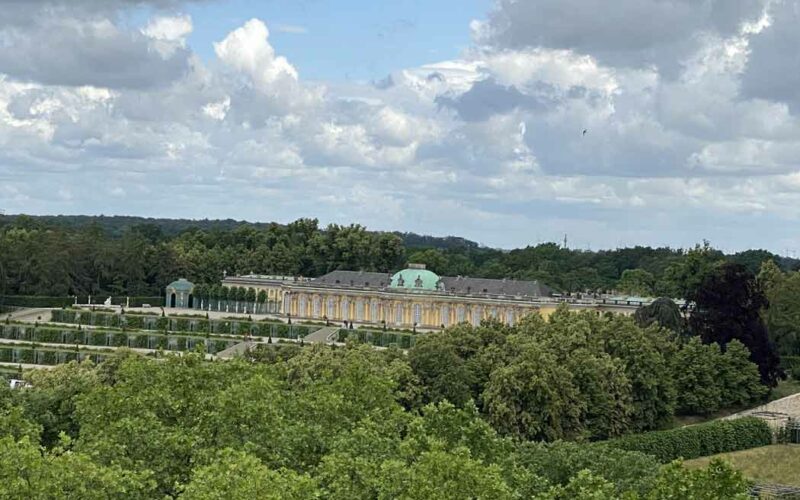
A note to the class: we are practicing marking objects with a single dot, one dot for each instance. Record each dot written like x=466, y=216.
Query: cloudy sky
x=460, y=117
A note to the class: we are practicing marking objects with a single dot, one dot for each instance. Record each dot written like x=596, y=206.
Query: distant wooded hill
x=122, y=255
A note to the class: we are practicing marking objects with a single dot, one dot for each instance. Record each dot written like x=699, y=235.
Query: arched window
x=476, y=315
x=417, y=314
x=359, y=310
x=317, y=307
x=461, y=314
x=446, y=315
x=331, y=308
x=398, y=314
x=345, y=308
x=510, y=317
x=373, y=311
x=302, y=308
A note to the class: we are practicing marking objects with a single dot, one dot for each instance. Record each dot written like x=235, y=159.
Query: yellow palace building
x=413, y=298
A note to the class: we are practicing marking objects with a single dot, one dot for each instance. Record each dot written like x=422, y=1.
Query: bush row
x=34, y=301
x=111, y=339
x=378, y=338
x=40, y=356
x=180, y=324
x=66, y=301
x=719, y=436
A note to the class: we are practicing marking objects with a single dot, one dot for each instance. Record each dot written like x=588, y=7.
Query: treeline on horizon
x=96, y=255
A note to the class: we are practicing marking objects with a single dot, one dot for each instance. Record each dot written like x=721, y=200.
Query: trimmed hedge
x=34, y=301
x=378, y=338
x=55, y=335
x=66, y=301
x=702, y=440
x=181, y=324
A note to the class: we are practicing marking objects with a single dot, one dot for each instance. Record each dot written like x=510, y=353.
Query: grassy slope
x=775, y=464
x=785, y=388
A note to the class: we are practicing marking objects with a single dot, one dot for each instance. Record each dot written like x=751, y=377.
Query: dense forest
x=549, y=409
x=80, y=255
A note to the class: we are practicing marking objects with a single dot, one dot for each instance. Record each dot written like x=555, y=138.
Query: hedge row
x=41, y=356
x=34, y=301
x=180, y=324
x=66, y=301
x=378, y=338
x=111, y=339
x=719, y=436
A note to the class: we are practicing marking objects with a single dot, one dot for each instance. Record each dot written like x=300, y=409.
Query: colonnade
x=425, y=312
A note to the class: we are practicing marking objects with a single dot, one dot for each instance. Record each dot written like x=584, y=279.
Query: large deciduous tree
x=727, y=306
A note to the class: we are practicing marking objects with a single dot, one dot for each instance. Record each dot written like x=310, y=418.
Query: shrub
x=282, y=331
x=49, y=358
x=792, y=366
x=134, y=322
x=719, y=436
x=26, y=355
x=162, y=323
x=96, y=338
x=47, y=335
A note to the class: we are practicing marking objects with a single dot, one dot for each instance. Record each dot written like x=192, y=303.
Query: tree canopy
x=316, y=422
x=138, y=257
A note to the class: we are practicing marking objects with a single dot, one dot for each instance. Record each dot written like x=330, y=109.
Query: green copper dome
x=182, y=285
x=415, y=279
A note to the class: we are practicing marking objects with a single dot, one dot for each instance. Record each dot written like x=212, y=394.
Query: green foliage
x=683, y=277
x=708, y=380
x=718, y=481
x=314, y=422
x=34, y=301
x=662, y=312
x=235, y=475
x=636, y=282
x=560, y=461
x=534, y=398
x=783, y=314
x=60, y=257
x=727, y=306
x=27, y=473
x=699, y=440
x=52, y=405
x=792, y=366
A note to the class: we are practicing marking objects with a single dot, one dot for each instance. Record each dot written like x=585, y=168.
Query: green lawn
x=775, y=464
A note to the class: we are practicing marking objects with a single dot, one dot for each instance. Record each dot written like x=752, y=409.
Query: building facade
x=413, y=298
